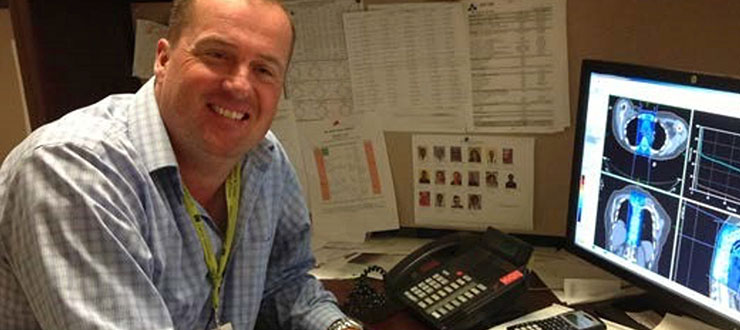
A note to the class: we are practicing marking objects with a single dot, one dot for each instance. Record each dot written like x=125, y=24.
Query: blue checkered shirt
x=94, y=233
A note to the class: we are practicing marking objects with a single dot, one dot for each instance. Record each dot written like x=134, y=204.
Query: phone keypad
x=443, y=292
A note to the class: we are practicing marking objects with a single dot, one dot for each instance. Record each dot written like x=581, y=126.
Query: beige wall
x=13, y=122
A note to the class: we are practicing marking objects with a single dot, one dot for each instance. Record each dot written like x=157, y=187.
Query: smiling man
x=171, y=208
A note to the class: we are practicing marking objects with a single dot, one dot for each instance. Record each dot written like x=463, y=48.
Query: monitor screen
x=655, y=195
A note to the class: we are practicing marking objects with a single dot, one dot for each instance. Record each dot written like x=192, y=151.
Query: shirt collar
x=148, y=133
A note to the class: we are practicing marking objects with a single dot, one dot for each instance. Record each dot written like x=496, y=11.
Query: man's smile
x=231, y=114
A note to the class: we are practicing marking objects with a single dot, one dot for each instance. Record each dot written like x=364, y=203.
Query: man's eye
x=216, y=55
x=265, y=71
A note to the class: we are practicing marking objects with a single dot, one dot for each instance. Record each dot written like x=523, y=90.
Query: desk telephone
x=460, y=280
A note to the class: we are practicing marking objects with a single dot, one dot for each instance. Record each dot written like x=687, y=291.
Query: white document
x=519, y=64
x=554, y=267
x=350, y=183
x=284, y=126
x=473, y=182
x=346, y=260
x=675, y=322
x=648, y=318
x=585, y=290
x=411, y=66
x=145, y=48
x=318, y=81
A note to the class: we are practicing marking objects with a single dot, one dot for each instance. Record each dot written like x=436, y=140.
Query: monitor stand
x=615, y=309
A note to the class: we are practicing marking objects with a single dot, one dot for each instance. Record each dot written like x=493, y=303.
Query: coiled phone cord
x=365, y=303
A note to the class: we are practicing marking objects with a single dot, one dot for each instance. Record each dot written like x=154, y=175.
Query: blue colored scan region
x=725, y=268
x=645, y=134
x=637, y=204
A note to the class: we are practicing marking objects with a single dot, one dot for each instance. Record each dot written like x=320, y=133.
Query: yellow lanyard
x=216, y=269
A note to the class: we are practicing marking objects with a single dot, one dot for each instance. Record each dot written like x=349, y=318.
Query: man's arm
x=73, y=244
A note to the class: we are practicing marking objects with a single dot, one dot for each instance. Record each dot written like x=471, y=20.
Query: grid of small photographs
x=459, y=177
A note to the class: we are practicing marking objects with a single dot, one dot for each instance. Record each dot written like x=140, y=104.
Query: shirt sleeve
x=74, y=245
x=295, y=299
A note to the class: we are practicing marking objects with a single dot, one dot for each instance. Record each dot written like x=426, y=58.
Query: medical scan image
x=724, y=275
x=646, y=139
x=636, y=226
x=647, y=142
x=708, y=259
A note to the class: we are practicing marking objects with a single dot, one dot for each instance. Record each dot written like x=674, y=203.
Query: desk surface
x=537, y=297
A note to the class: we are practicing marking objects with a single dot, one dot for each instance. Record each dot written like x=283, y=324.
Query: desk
x=537, y=297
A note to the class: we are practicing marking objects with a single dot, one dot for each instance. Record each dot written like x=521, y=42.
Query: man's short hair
x=179, y=17
x=182, y=13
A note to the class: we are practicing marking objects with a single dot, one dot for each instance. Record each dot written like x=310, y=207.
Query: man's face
x=217, y=87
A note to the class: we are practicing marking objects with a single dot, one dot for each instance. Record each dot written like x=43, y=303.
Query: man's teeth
x=228, y=113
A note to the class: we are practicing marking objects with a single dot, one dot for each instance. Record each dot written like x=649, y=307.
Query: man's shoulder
x=95, y=128
x=101, y=122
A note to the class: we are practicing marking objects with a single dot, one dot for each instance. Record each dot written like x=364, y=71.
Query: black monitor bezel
x=695, y=79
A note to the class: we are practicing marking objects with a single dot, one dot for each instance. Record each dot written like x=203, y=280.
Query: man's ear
x=163, y=57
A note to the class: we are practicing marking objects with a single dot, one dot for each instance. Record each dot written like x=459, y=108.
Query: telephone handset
x=460, y=280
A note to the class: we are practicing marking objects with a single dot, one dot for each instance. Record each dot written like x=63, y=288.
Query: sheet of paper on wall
x=284, y=126
x=519, y=64
x=472, y=182
x=411, y=66
x=318, y=81
x=399, y=5
x=349, y=178
x=145, y=48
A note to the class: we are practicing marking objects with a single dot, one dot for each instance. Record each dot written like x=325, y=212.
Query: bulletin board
x=694, y=35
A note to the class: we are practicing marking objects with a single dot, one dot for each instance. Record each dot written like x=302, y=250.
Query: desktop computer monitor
x=655, y=194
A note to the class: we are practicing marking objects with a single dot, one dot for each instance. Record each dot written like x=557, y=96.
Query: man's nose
x=239, y=83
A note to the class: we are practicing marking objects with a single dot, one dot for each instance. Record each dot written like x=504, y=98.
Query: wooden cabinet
x=72, y=53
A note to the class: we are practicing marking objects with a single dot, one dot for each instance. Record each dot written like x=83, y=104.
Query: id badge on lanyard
x=226, y=326
x=217, y=268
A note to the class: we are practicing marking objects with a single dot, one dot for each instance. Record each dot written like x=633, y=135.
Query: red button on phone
x=511, y=277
